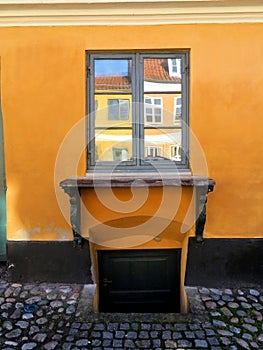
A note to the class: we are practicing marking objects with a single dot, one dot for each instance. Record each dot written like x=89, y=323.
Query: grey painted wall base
x=32, y=261
x=220, y=262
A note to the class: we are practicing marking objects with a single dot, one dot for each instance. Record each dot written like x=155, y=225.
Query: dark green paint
x=2, y=187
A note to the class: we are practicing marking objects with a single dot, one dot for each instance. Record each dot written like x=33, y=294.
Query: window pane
x=167, y=144
x=113, y=110
x=148, y=100
x=124, y=109
x=168, y=113
x=162, y=87
x=158, y=76
x=112, y=75
x=118, y=109
x=153, y=110
x=157, y=101
x=158, y=115
x=149, y=118
x=113, y=145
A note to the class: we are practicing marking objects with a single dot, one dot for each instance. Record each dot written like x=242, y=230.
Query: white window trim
x=178, y=67
x=174, y=152
x=176, y=105
x=153, y=106
x=156, y=148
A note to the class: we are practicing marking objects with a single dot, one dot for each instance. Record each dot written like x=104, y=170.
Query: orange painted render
x=43, y=96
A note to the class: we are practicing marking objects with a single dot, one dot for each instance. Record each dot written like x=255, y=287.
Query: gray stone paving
x=50, y=316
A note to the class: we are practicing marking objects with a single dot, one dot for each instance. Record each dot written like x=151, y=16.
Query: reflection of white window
x=118, y=109
x=174, y=65
x=176, y=152
x=153, y=151
x=153, y=110
x=177, y=108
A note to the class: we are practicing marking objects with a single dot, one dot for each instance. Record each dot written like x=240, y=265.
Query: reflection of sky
x=113, y=67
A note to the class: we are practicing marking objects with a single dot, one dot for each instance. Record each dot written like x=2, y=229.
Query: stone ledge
x=137, y=180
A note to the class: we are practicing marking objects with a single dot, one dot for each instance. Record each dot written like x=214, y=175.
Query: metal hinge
x=186, y=69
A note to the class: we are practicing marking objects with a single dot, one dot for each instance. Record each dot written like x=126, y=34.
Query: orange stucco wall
x=43, y=97
x=126, y=218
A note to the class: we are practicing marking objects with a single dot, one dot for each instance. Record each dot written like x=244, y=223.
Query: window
x=142, y=111
x=176, y=152
x=152, y=151
x=174, y=67
x=118, y=109
x=177, y=108
x=153, y=110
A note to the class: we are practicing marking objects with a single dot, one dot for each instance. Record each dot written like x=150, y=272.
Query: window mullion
x=140, y=77
x=134, y=111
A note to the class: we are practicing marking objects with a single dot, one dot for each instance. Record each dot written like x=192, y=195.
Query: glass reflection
x=113, y=110
x=113, y=145
x=162, y=144
x=112, y=75
x=162, y=91
x=162, y=109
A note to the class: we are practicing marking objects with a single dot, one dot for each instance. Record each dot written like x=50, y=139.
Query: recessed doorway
x=139, y=280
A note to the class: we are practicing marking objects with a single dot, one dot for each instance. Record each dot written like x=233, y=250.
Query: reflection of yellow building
x=113, y=117
x=162, y=108
x=113, y=112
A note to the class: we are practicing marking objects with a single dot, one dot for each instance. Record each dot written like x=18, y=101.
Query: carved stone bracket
x=75, y=214
x=201, y=200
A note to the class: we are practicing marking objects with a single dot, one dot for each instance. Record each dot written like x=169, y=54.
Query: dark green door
x=2, y=188
x=139, y=280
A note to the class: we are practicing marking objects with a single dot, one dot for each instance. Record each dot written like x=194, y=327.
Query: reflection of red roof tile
x=155, y=70
x=113, y=82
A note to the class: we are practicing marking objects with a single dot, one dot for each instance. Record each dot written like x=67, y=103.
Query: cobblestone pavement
x=49, y=316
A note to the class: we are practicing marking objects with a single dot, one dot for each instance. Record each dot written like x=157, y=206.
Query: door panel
x=139, y=280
